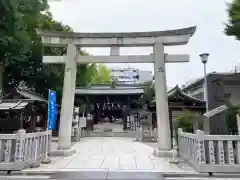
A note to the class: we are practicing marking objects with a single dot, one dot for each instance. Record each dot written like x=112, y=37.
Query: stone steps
x=115, y=175
x=131, y=134
x=201, y=178
x=25, y=177
x=183, y=176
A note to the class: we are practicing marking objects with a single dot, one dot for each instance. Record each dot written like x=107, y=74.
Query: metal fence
x=210, y=153
x=22, y=150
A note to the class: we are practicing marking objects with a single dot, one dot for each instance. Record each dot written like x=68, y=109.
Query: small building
x=178, y=101
x=222, y=88
x=23, y=109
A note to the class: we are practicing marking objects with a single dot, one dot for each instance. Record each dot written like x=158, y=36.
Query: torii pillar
x=156, y=39
x=164, y=131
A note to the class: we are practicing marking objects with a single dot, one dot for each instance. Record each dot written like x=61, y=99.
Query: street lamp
x=204, y=59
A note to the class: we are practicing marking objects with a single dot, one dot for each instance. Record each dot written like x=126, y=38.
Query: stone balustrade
x=21, y=150
x=210, y=153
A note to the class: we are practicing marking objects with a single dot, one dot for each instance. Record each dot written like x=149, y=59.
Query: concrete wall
x=233, y=93
x=220, y=88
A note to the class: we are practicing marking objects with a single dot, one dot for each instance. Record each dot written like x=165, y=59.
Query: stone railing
x=210, y=153
x=21, y=150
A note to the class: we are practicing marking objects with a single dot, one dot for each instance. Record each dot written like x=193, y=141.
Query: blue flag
x=52, y=110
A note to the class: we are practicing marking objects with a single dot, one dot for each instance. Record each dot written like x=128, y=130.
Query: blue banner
x=52, y=110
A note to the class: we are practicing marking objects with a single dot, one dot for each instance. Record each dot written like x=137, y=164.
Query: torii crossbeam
x=156, y=39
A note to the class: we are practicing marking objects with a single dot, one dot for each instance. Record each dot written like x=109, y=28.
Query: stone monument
x=145, y=124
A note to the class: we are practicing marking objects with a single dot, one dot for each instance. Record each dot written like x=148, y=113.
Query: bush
x=187, y=121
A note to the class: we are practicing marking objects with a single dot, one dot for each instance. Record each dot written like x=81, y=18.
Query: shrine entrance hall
x=110, y=103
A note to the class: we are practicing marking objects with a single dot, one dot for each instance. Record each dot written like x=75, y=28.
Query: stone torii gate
x=156, y=39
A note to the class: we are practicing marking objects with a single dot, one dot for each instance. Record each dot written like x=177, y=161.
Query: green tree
x=231, y=117
x=187, y=120
x=233, y=26
x=14, y=40
x=149, y=91
x=53, y=75
x=21, y=48
x=102, y=74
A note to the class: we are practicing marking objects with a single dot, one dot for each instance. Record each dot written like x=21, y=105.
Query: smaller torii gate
x=156, y=39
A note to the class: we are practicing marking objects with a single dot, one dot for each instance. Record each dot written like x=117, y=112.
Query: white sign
x=215, y=111
x=83, y=122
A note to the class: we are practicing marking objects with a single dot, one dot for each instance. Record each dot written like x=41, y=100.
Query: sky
x=156, y=15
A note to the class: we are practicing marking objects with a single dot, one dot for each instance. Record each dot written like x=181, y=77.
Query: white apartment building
x=130, y=76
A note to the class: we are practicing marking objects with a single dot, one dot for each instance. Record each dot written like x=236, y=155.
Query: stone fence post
x=180, y=130
x=19, y=151
x=200, y=147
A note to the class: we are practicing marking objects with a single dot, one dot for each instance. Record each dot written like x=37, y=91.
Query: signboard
x=215, y=111
x=83, y=122
x=52, y=110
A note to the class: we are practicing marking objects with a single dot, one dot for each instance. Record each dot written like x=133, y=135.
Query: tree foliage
x=101, y=74
x=187, y=121
x=21, y=49
x=14, y=39
x=231, y=116
x=149, y=93
x=233, y=26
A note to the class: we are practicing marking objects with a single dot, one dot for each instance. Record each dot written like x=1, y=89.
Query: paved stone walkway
x=113, y=154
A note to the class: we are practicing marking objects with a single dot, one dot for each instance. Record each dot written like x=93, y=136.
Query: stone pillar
x=68, y=98
x=163, y=126
x=206, y=125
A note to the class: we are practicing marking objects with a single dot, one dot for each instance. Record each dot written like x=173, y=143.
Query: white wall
x=129, y=75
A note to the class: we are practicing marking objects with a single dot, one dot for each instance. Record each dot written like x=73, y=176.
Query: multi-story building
x=222, y=87
x=131, y=76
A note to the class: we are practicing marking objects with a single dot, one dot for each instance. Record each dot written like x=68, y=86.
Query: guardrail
x=210, y=153
x=22, y=150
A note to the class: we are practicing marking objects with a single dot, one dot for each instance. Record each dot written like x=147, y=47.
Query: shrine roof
x=25, y=94
x=177, y=94
x=175, y=32
x=109, y=89
x=15, y=104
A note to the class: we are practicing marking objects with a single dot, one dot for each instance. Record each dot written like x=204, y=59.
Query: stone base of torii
x=156, y=39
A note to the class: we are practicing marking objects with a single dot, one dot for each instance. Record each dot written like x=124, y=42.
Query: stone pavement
x=112, y=154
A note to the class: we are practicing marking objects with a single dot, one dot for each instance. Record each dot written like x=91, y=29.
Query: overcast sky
x=151, y=15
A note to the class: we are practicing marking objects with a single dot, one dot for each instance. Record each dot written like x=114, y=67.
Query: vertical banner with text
x=52, y=110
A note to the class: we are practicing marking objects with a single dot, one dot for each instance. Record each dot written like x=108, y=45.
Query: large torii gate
x=156, y=39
